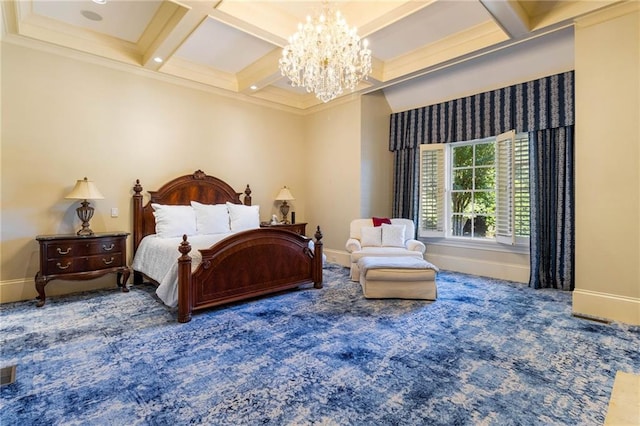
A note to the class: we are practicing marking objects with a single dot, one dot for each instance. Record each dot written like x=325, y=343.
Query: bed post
x=137, y=215
x=184, y=282
x=317, y=260
x=137, y=225
x=247, y=196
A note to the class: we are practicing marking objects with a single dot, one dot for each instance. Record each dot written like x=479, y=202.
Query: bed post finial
x=184, y=281
x=247, y=196
x=137, y=188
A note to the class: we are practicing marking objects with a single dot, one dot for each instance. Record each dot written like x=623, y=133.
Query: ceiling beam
x=390, y=17
x=509, y=15
x=457, y=45
x=9, y=17
x=156, y=41
x=169, y=28
x=261, y=73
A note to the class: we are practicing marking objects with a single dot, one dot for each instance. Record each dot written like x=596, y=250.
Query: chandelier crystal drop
x=325, y=56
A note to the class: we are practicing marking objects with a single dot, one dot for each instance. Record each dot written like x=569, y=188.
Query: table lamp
x=85, y=190
x=284, y=195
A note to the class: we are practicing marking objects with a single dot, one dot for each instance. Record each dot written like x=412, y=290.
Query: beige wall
x=351, y=168
x=332, y=139
x=376, y=161
x=64, y=119
x=608, y=165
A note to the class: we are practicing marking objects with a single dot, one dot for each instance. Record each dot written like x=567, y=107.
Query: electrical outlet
x=114, y=212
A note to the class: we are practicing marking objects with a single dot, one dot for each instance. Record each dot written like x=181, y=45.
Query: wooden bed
x=244, y=265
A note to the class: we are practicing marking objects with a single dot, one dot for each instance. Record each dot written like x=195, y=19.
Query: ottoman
x=397, y=278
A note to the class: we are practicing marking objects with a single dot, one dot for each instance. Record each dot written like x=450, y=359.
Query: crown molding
x=608, y=14
x=143, y=72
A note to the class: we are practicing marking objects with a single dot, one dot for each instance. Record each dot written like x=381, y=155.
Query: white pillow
x=393, y=235
x=211, y=218
x=243, y=217
x=174, y=221
x=371, y=236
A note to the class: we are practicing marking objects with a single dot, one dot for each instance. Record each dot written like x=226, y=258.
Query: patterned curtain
x=406, y=184
x=546, y=103
x=551, y=179
x=536, y=105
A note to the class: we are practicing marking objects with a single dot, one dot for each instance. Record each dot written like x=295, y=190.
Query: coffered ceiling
x=235, y=45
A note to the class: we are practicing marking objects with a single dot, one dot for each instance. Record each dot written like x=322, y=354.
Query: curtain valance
x=540, y=104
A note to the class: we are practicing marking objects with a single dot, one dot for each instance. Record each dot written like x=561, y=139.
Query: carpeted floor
x=486, y=352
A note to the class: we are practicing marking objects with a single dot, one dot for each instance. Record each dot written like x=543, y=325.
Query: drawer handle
x=105, y=248
x=63, y=267
x=64, y=252
x=108, y=262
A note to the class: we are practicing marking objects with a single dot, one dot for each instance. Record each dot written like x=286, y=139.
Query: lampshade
x=284, y=195
x=85, y=190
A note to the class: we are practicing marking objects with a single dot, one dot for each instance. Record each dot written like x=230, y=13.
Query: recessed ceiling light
x=254, y=87
x=158, y=59
x=93, y=16
x=99, y=1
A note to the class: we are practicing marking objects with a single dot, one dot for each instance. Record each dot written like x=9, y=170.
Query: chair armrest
x=353, y=245
x=415, y=245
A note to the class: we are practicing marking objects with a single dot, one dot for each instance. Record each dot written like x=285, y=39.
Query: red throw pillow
x=377, y=221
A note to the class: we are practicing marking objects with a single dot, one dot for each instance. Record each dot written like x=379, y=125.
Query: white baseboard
x=484, y=268
x=593, y=304
x=503, y=271
x=24, y=289
x=17, y=290
x=340, y=257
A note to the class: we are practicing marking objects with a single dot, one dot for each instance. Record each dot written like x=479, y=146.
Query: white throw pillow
x=371, y=236
x=393, y=235
x=174, y=221
x=211, y=218
x=243, y=217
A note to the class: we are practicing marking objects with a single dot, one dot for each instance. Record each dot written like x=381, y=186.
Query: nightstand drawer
x=64, y=266
x=82, y=264
x=84, y=248
x=55, y=251
x=104, y=261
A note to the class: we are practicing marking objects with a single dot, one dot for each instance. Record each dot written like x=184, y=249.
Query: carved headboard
x=181, y=191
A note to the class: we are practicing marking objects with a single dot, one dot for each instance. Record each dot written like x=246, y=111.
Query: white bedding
x=157, y=258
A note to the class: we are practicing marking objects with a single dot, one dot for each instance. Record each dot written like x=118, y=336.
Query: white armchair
x=396, y=239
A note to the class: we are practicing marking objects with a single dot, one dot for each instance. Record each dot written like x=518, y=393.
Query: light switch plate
x=114, y=212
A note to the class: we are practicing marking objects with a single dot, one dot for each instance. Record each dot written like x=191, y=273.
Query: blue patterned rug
x=486, y=352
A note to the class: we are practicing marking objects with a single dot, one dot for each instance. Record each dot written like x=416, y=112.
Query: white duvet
x=157, y=258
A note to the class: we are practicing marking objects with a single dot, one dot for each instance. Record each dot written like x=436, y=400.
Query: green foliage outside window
x=473, y=195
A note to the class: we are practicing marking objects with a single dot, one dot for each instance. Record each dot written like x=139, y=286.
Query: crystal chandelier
x=325, y=56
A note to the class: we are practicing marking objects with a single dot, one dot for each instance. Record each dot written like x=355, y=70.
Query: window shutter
x=505, y=214
x=521, y=188
x=432, y=184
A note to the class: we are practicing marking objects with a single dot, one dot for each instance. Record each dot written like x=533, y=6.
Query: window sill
x=477, y=245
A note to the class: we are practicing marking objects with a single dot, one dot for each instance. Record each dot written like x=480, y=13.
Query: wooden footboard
x=248, y=264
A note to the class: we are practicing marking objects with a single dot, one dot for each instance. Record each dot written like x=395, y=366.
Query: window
x=476, y=190
x=473, y=189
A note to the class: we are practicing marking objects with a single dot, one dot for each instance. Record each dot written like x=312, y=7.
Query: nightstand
x=298, y=228
x=73, y=257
